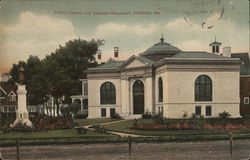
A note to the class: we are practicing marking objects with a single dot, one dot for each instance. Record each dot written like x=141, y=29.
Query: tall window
x=108, y=93
x=160, y=89
x=203, y=88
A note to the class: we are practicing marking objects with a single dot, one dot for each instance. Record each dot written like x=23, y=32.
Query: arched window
x=203, y=88
x=160, y=89
x=108, y=93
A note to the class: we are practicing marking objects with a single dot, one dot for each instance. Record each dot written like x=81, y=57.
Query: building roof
x=215, y=43
x=242, y=56
x=108, y=65
x=161, y=48
x=195, y=54
x=8, y=87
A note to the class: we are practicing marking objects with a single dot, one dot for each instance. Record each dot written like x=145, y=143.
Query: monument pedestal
x=22, y=114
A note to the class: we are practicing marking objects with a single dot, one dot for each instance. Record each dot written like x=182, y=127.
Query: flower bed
x=210, y=124
x=44, y=124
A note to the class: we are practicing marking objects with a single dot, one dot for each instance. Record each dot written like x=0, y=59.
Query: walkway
x=89, y=127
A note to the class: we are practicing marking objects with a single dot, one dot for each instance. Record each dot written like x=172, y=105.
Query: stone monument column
x=22, y=114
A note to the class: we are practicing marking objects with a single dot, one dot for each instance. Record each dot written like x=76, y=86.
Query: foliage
x=224, y=115
x=57, y=74
x=21, y=127
x=158, y=119
x=80, y=116
x=147, y=115
x=116, y=116
x=42, y=123
x=70, y=110
x=81, y=130
x=99, y=129
x=5, y=124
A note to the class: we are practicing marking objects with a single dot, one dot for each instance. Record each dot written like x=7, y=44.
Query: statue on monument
x=21, y=75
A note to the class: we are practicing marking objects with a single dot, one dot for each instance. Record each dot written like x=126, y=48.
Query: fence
x=19, y=142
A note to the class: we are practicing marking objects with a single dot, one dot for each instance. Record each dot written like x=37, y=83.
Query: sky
x=38, y=27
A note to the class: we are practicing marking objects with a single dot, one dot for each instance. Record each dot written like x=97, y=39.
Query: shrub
x=147, y=115
x=80, y=116
x=99, y=129
x=116, y=116
x=21, y=127
x=224, y=115
x=158, y=119
x=135, y=124
x=194, y=116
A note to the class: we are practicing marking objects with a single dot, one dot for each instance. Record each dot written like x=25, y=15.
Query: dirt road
x=216, y=150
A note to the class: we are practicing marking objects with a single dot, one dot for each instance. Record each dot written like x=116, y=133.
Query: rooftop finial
x=215, y=38
x=162, y=39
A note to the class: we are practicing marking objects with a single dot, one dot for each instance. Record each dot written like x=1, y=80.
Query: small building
x=165, y=80
x=244, y=83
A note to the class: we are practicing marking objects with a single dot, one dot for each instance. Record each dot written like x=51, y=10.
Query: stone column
x=125, y=97
x=148, y=90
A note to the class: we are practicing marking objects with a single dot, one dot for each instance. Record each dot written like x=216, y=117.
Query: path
x=114, y=132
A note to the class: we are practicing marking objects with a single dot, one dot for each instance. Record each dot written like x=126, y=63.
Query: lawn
x=84, y=122
x=62, y=136
x=54, y=137
x=126, y=127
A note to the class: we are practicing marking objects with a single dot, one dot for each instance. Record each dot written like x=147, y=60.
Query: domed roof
x=161, y=49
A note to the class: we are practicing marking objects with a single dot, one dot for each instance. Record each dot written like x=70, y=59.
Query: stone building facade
x=165, y=80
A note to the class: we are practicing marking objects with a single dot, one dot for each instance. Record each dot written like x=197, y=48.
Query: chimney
x=227, y=51
x=99, y=56
x=116, y=53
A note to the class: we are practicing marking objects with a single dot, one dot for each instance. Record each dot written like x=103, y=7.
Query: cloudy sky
x=37, y=27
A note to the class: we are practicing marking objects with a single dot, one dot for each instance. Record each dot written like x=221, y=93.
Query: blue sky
x=36, y=27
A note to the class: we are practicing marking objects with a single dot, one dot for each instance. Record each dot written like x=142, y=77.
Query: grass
x=54, y=137
x=126, y=127
x=84, y=122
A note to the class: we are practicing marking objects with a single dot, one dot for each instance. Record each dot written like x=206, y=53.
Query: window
x=12, y=109
x=103, y=112
x=203, y=88
x=217, y=49
x=198, y=110
x=12, y=97
x=5, y=109
x=246, y=100
x=160, y=89
x=208, y=111
x=108, y=93
x=213, y=49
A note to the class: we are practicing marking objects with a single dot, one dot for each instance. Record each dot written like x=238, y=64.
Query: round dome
x=160, y=50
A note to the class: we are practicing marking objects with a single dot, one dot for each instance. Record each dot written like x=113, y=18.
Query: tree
x=58, y=73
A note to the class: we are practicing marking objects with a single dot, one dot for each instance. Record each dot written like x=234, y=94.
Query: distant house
x=244, y=82
x=8, y=99
x=4, y=77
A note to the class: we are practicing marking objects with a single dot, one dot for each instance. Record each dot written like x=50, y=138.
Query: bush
x=21, y=127
x=99, y=129
x=116, y=116
x=147, y=115
x=158, y=119
x=80, y=116
x=224, y=115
